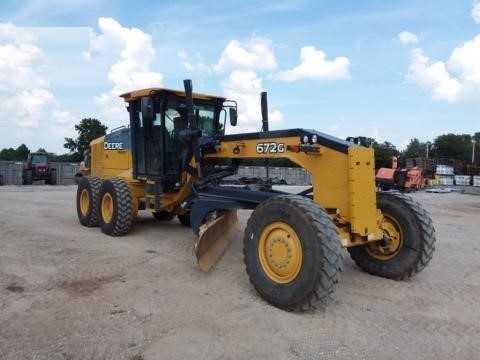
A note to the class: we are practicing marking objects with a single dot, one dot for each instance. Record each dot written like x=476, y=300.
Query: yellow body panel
x=108, y=163
x=344, y=184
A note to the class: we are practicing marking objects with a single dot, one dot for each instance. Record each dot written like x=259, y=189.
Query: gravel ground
x=70, y=292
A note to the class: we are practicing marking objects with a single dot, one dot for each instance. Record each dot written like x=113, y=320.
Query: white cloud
x=23, y=93
x=476, y=11
x=17, y=63
x=63, y=117
x=253, y=54
x=433, y=76
x=187, y=64
x=196, y=64
x=86, y=55
x=314, y=66
x=133, y=52
x=406, y=37
x=466, y=61
x=27, y=106
x=63, y=124
x=245, y=87
x=9, y=32
x=455, y=80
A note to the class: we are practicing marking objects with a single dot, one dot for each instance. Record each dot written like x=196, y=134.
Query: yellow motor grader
x=171, y=161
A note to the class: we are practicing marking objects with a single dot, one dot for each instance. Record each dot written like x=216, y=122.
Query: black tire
x=184, y=220
x=163, y=215
x=115, y=212
x=1, y=180
x=27, y=177
x=413, y=239
x=53, y=177
x=87, y=200
x=310, y=242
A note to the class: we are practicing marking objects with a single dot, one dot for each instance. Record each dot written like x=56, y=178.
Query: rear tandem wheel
x=87, y=200
x=409, y=239
x=292, y=252
x=115, y=210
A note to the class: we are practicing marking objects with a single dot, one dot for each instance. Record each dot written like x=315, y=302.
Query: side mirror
x=147, y=108
x=233, y=116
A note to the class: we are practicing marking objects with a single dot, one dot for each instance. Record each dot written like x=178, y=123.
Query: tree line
x=88, y=129
x=464, y=147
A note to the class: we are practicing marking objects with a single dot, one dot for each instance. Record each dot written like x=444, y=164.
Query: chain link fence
x=292, y=176
x=11, y=172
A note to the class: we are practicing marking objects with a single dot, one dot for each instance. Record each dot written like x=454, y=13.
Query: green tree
x=416, y=149
x=454, y=147
x=60, y=158
x=384, y=153
x=8, y=154
x=21, y=152
x=88, y=129
x=18, y=154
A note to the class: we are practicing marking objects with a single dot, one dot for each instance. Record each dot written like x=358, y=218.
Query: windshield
x=39, y=158
x=176, y=118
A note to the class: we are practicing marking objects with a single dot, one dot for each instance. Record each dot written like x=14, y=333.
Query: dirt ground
x=70, y=292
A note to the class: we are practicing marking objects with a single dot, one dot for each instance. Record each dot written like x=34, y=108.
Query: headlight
x=305, y=139
x=314, y=139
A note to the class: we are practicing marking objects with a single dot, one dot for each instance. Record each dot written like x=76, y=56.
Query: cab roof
x=137, y=94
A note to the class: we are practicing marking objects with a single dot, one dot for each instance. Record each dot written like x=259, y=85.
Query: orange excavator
x=407, y=180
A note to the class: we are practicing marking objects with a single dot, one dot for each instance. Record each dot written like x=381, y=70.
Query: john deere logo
x=113, y=145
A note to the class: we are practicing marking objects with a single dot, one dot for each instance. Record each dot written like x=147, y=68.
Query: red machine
x=400, y=179
x=37, y=167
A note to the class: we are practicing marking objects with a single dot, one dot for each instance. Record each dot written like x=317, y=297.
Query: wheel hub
x=392, y=241
x=280, y=252
x=107, y=208
x=84, y=202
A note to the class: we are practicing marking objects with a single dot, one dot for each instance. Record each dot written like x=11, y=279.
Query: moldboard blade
x=214, y=239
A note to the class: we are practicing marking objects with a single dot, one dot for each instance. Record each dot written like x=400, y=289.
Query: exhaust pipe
x=264, y=106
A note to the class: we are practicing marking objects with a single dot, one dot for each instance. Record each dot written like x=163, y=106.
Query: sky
x=392, y=70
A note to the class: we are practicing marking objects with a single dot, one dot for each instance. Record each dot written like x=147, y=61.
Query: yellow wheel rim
x=84, y=202
x=280, y=252
x=389, y=248
x=107, y=208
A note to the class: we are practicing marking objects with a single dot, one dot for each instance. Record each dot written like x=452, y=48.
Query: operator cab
x=157, y=119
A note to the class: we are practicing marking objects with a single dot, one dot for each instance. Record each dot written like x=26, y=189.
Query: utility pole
x=473, y=150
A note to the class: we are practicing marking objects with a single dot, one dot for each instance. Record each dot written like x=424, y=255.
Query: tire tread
x=426, y=231
x=330, y=249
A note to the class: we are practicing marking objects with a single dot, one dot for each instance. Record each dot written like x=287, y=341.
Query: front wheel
x=409, y=239
x=292, y=252
x=115, y=208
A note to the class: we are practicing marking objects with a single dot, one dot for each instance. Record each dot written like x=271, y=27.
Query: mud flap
x=214, y=239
